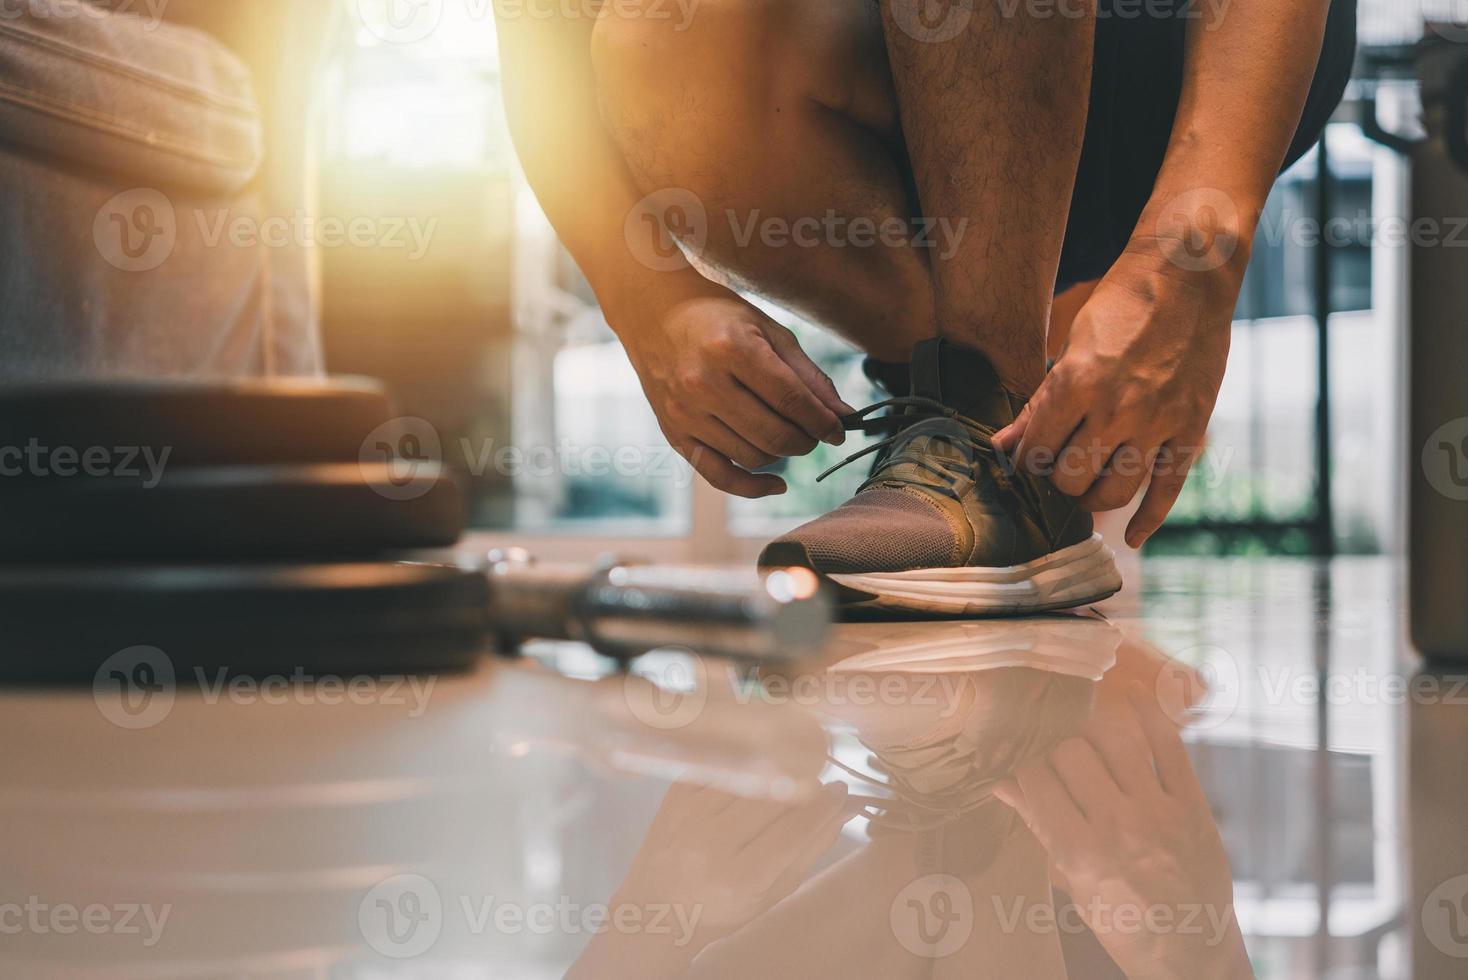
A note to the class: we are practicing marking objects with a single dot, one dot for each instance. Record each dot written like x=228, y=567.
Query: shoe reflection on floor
x=1029, y=811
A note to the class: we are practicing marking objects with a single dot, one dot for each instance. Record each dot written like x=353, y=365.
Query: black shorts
x=1135, y=85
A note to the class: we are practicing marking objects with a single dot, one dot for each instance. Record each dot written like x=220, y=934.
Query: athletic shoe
x=944, y=525
x=961, y=716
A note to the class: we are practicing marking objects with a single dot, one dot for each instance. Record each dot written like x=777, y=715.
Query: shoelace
x=912, y=809
x=912, y=410
x=915, y=809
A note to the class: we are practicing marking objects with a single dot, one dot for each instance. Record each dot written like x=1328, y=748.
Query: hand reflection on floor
x=1028, y=804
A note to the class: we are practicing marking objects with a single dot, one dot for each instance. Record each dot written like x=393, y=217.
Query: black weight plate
x=63, y=623
x=325, y=511
x=199, y=423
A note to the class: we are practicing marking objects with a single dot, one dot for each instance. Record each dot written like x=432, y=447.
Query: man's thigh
x=733, y=62
x=1136, y=80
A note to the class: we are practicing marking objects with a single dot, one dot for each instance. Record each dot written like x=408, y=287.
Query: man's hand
x=1129, y=828
x=728, y=857
x=733, y=391
x=1146, y=355
x=714, y=862
x=1132, y=393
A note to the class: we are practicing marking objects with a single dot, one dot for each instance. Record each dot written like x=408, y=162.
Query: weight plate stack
x=254, y=526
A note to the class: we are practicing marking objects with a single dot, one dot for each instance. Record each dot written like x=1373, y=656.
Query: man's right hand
x=733, y=391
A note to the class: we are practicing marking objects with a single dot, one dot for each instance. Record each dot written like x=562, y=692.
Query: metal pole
x=1322, y=858
x=1324, y=511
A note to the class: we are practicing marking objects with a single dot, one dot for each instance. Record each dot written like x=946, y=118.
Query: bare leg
x=993, y=101
x=1063, y=314
x=773, y=113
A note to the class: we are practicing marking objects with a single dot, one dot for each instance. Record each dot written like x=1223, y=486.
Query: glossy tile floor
x=1208, y=776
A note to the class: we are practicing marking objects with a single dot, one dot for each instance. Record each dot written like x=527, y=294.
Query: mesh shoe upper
x=882, y=530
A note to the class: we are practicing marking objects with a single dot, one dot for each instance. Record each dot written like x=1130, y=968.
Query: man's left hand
x=1134, y=388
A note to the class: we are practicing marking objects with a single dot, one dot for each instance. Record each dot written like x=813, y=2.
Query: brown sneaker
x=943, y=525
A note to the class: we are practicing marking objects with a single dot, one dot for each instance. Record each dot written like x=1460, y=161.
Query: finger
x=1169, y=473
x=1174, y=767
x=800, y=867
x=818, y=381
x=745, y=819
x=725, y=441
x=694, y=798
x=779, y=387
x=1007, y=438
x=1118, y=484
x=1117, y=735
x=787, y=836
x=746, y=413
x=1054, y=416
x=687, y=802
x=679, y=802
x=710, y=801
x=724, y=475
x=1007, y=791
x=1054, y=818
x=1085, y=776
x=1082, y=460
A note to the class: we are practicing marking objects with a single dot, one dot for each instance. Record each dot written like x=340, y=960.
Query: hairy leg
x=993, y=97
x=779, y=116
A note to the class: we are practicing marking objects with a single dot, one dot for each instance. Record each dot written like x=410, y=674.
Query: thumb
x=1007, y=791
x=1007, y=439
x=819, y=383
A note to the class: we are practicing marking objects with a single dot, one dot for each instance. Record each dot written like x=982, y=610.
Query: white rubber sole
x=1074, y=576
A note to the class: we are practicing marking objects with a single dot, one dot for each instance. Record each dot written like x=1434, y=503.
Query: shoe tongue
x=963, y=379
x=892, y=377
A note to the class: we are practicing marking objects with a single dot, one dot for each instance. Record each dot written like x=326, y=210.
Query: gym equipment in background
x=264, y=527
x=1437, y=471
x=626, y=608
x=1438, y=348
x=182, y=470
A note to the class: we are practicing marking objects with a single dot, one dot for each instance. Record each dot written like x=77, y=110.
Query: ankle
x=1020, y=372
